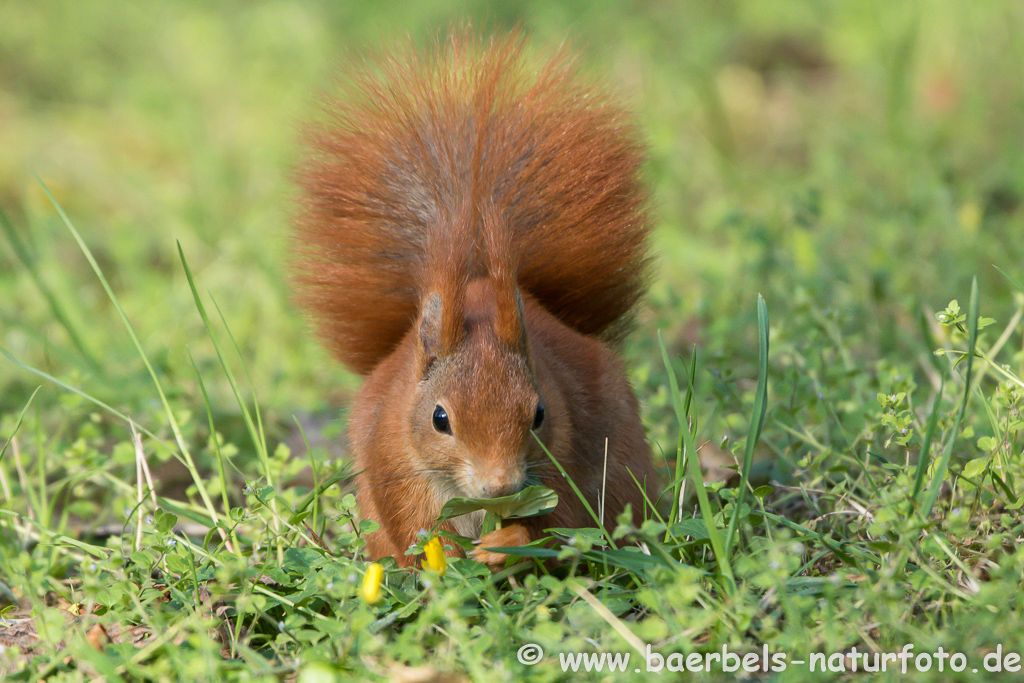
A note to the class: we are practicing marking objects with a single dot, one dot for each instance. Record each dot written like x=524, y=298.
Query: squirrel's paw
x=509, y=536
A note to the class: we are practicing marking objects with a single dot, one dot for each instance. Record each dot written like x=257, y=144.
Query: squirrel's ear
x=439, y=330
x=430, y=331
x=511, y=323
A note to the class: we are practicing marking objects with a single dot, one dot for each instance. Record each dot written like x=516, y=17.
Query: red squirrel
x=473, y=240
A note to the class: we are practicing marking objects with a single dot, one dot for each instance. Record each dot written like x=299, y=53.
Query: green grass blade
x=714, y=537
x=316, y=474
x=844, y=550
x=248, y=377
x=681, y=418
x=221, y=470
x=930, y=341
x=59, y=538
x=691, y=377
x=1016, y=283
x=932, y=494
x=25, y=256
x=92, y=399
x=688, y=451
x=254, y=434
x=926, y=445
x=756, y=419
x=649, y=504
x=17, y=424
x=172, y=420
x=342, y=474
x=583, y=499
x=33, y=501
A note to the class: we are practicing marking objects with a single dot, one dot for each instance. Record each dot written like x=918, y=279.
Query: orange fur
x=474, y=237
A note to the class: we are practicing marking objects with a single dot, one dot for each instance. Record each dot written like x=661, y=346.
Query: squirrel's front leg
x=511, y=536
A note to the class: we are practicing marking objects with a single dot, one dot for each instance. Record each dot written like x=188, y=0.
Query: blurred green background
x=862, y=160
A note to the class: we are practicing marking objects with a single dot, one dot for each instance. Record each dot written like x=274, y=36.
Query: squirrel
x=472, y=238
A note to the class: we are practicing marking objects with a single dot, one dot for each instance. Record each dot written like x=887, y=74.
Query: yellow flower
x=434, y=554
x=371, y=583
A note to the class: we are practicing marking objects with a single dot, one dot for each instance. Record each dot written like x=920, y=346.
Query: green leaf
x=181, y=511
x=317, y=672
x=987, y=443
x=176, y=564
x=588, y=535
x=975, y=467
x=525, y=551
x=628, y=559
x=143, y=558
x=531, y=501
x=301, y=561
x=299, y=516
x=165, y=521
x=693, y=527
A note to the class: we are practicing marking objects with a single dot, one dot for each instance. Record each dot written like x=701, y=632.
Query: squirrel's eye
x=538, y=417
x=441, y=420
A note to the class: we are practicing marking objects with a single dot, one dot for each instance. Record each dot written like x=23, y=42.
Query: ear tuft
x=513, y=323
x=430, y=330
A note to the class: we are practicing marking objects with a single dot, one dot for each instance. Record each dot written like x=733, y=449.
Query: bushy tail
x=417, y=153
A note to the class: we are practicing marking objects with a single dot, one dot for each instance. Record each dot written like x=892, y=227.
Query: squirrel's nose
x=500, y=482
x=499, y=489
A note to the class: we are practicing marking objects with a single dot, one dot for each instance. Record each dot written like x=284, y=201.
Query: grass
x=174, y=498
